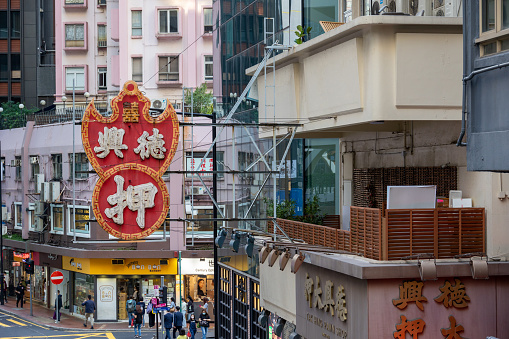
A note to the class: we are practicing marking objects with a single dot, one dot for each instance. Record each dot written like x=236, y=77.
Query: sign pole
x=2, y=297
x=31, y=290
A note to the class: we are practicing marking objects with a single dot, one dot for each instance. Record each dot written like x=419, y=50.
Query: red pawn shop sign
x=57, y=277
x=130, y=151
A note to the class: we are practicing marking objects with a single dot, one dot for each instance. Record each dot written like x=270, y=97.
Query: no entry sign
x=57, y=277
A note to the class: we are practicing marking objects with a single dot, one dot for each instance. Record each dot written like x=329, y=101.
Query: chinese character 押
x=413, y=327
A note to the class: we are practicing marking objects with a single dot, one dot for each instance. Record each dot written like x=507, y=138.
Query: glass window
x=78, y=75
x=17, y=214
x=504, y=45
x=75, y=35
x=208, y=67
x=56, y=160
x=17, y=164
x=82, y=218
x=168, y=21
x=202, y=212
x=505, y=14
x=34, y=164
x=3, y=25
x=207, y=20
x=57, y=218
x=136, y=29
x=319, y=10
x=490, y=48
x=31, y=216
x=2, y=168
x=83, y=287
x=4, y=73
x=101, y=36
x=15, y=25
x=81, y=166
x=137, y=69
x=15, y=66
x=74, y=2
x=169, y=68
x=101, y=78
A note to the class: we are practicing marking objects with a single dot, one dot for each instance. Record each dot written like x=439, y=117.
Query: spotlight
x=273, y=257
x=294, y=335
x=235, y=242
x=263, y=318
x=250, y=245
x=221, y=237
x=264, y=253
x=280, y=325
x=297, y=261
x=283, y=260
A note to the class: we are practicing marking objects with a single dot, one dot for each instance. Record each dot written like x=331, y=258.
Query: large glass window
x=56, y=160
x=3, y=25
x=101, y=78
x=169, y=68
x=81, y=220
x=34, y=164
x=57, y=218
x=4, y=73
x=136, y=29
x=31, y=216
x=488, y=15
x=15, y=25
x=209, y=68
x=168, y=21
x=207, y=20
x=74, y=35
x=319, y=10
x=83, y=287
x=17, y=214
x=76, y=74
x=101, y=36
x=81, y=167
x=17, y=164
x=16, y=66
x=494, y=17
x=137, y=69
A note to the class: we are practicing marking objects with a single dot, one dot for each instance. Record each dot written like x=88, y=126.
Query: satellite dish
x=157, y=104
x=375, y=8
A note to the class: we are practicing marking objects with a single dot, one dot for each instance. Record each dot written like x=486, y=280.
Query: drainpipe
x=466, y=79
x=25, y=175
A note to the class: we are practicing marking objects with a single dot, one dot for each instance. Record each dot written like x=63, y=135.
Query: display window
x=83, y=286
x=199, y=287
x=40, y=283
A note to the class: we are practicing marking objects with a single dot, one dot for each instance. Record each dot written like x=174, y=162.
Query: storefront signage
x=21, y=255
x=194, y=266
x=106, y=293
x=107, y=299
x=451, y=294
x=206, y=166
x=130, y=151
x=132, y=266
x=325, y=299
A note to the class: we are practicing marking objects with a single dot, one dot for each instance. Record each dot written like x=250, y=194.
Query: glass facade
x=83, y=286
x=319, y=10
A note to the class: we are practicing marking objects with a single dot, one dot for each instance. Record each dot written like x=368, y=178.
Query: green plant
x=286, y=210
x=201, y=99
x=302, y=33
x=13, y=116
x=13, y=236
x=312, y=213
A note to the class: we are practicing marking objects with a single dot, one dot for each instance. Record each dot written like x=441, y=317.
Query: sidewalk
x=44, y=316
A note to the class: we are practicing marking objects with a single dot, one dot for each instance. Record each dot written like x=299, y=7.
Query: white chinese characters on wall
x=148, y=145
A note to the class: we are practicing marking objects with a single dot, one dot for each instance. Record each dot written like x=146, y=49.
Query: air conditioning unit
x=5, y=215
x=39, y=225
x=45, y=192
x=159, y=103
x=39, y=208
x=438, y=7
x=54, y=190
x=197, y=190
x=392, y=7
x=453, y=8
x=39, y=179
x=34, y=160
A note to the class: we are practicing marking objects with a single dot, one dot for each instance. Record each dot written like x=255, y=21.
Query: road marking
x=4, y=325
x=16, y=322
x=108, y=335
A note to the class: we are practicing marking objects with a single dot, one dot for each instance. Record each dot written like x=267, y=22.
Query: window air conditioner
x=197, y=190
x=159, y=103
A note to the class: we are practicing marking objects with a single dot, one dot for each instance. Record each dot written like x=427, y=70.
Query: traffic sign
x=57, y=277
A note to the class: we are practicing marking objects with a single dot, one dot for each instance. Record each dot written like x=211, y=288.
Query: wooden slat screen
x=366, y=232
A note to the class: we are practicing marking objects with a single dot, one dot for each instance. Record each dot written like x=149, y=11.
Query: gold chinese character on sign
x=341, y=303
x=328, y=302
x=413, y=327
x=453, y=295
x=317, y=294
x=410, y=291
x=309, y=284
x=453, y=331
x=131, y=112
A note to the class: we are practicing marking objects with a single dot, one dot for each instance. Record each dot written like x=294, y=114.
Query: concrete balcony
x=372, y=71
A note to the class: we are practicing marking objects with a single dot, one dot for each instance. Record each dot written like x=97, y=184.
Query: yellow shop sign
x=98, y=266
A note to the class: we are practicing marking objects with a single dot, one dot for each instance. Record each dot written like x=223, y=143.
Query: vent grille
x=163, y=262
x=117, y=261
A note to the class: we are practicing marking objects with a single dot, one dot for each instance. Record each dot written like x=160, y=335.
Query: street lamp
x=21, y=106
x=42, y=102
x=87, y=95
x=64, y=99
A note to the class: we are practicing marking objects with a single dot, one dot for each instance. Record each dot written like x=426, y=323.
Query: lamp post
x=2, y=297
x=64, y=99
x=87, y=95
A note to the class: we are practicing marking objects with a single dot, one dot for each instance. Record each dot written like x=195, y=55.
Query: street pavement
x=17, y=323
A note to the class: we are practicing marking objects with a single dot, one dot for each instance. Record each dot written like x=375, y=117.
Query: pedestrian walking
x=172, y=303
x=20, y=294
x=58, y=306
x=182, y=334
x=89, y=311
x=138, y=320
x=4, y=287
x=192, y=326
x=130, y=307
x=168, y=323
x=184, y=311
x=151, y=314
x=141, y=303
x=204, y=323
x=178, y=321
x=190, y=307
x=135, y=294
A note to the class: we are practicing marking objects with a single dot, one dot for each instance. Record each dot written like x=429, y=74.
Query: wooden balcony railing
x=442, y=232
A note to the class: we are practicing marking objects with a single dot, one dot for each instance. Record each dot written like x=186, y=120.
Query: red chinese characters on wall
x=130, y=151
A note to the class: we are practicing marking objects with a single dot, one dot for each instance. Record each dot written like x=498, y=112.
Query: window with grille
x=56, y=161
x=208, y=67
x=81, y=167
x=169, y=68
x=75, y=35
x=101, y=78
x=207, y=20
x=101, y=36
x=137, y=69
x=168, y=21
x=136, y=23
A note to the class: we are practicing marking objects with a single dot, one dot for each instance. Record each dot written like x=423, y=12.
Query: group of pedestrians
x=174, y=321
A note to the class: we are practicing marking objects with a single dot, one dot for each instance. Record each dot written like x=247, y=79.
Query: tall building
x=383, y=79
x=27, y=56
